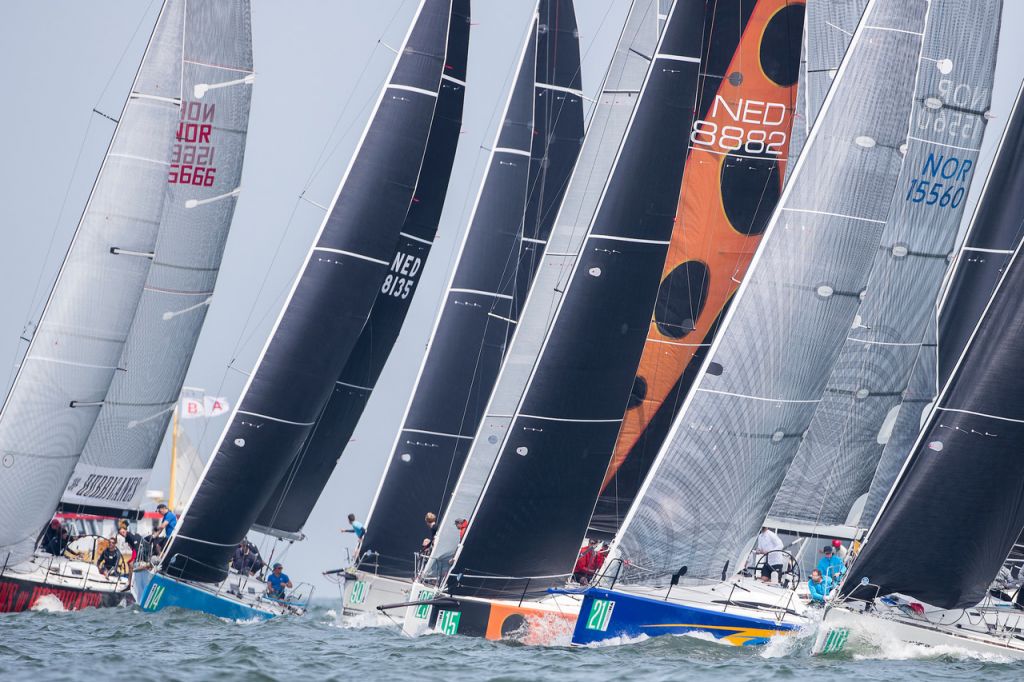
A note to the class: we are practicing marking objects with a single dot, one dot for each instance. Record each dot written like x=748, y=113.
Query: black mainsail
x=323, y=315
x=297, y=493
x=965, y=473
x=535, y=151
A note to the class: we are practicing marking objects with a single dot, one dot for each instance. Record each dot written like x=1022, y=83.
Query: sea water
x=179, y=645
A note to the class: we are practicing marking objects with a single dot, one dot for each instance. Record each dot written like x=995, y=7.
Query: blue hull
x=154, y=591
x=607, y=614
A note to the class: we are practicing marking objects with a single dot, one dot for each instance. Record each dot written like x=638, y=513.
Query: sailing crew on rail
x=277, y=581
x=109, y=559
x=357, y=528
x=166, y=526
x=830, y=565
x=769, y=545
x=428, y=543
x=819, y=587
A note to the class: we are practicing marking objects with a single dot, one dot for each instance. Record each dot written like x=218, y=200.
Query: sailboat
x=711, y=487
x=289, y=507
x=93, y=395
x=963, y=468
x=556, y=431
x=309, y=344
x=534, y=152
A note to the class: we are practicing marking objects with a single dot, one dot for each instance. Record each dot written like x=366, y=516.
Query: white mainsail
x=838, y=455
x=206, y=169
x=77, y=347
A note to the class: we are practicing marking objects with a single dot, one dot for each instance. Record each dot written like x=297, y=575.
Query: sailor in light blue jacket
x=819, y=586
x=830, y=565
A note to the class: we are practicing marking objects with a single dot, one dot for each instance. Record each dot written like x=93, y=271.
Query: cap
x=827, y=549
x=837, y=544
x=278, y=566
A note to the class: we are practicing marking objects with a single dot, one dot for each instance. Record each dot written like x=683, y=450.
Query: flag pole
x=174, y=458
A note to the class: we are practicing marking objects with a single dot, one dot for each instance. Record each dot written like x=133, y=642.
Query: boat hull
x=545, y=622
x=842, y=627
x=155, y=591
x=608, y=615
x=364, y=592
x=21, y=594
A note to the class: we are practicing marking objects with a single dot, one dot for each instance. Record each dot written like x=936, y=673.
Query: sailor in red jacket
x=583, y=571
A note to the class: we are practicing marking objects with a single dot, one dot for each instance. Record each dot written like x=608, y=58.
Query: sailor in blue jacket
x=830, y=565
x=819, y=586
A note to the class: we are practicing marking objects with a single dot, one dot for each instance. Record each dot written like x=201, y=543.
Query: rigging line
x=33, y=304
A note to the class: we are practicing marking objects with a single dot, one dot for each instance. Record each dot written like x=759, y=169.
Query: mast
x=838, y=455
x=324, y=312
x=204, y=182
x=741, y=424
x=297, y=493
x=532, y=157
x=75, y=352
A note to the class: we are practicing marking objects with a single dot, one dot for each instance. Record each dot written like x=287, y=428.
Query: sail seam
x=755, y=397
x=275, y=419
x=351, y=253
x=139, y=158
x=410, y=88
x=478, y=291
x=981, y=414
x=437, y=433
x=572, y=421
x=628, y=239
x=677, y=58
x=834, y=215
x=415, y=238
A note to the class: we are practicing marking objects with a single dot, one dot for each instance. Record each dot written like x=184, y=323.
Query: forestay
x=323, y=314
x=77, y=345
x=995, y=232
x=534, y=152
x=205, y=176
x=965, y=474
x=838, y=455
x=300, y=488
x=739, y=428
x=612, y=113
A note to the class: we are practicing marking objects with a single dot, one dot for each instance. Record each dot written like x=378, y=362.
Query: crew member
x=830, y=565
x=109, y=559
x=768, y=545
x=819, y=587
x=164, y=529
x=277, y=581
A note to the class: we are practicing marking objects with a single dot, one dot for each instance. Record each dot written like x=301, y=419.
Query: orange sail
x=727, y=197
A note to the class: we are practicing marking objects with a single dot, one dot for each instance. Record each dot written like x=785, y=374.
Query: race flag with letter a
x=215, y=406
x=207, y=406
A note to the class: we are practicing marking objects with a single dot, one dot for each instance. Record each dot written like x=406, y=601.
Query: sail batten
x=324, y=312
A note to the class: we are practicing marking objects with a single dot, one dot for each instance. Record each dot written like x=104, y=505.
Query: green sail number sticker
x=835, y=640
x=358, y=595
x=423, y=610
x=600, y=614
x=448, y=622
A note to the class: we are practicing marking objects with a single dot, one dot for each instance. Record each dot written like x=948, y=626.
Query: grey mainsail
x=77, y=346
x=767, y=370
x=608, y=125
x=837, y=457
x=205, y=177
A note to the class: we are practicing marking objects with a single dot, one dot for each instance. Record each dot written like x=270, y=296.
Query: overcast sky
x=319, y=67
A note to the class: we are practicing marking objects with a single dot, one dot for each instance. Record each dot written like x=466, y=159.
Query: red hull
x=20, y=595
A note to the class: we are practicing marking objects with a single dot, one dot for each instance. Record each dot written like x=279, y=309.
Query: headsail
x=533, y=155
x=299, y=489
x=995, y=232
x=837, y=457
x=965, y=474
x=323, y=315
x=77, y=346
x=608, y=124
x=740, y=426
x=205, y=176
x=728, y=196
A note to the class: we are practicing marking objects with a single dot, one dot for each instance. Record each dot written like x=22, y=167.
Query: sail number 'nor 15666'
x=192, y=155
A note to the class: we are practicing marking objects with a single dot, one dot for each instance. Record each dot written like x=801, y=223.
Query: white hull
x=364, y=592
x=844, y=629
